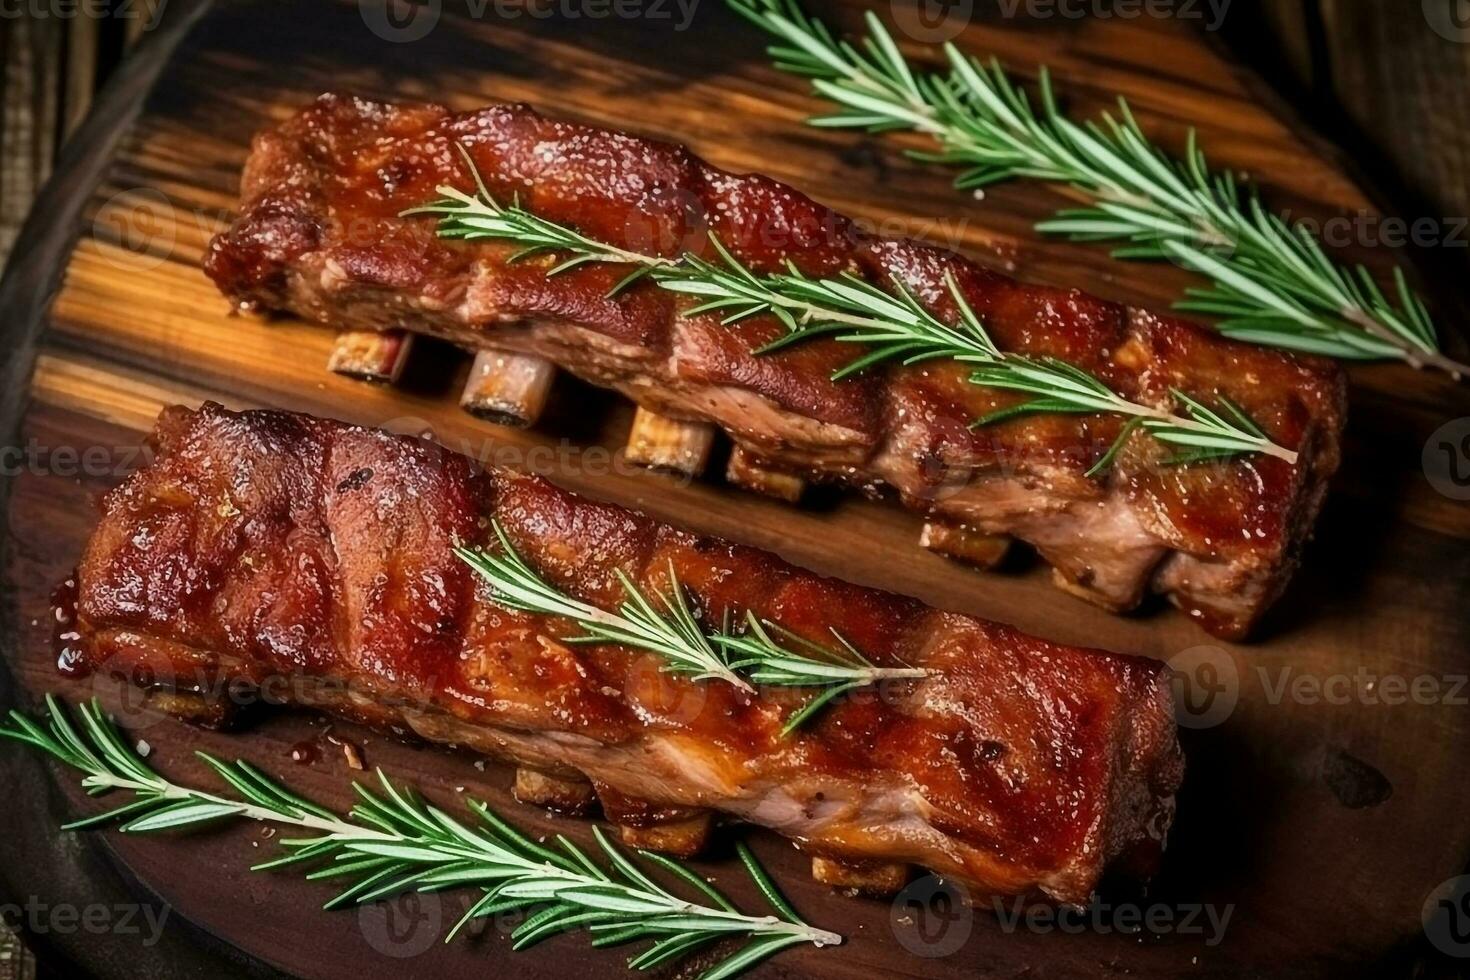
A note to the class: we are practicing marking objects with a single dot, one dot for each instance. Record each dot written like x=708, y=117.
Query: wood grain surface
x=1322, y=827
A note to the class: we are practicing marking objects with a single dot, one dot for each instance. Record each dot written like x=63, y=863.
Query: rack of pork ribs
x=317, y=557
x=320, y=235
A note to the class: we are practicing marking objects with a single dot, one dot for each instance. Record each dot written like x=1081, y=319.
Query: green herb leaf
x=1271, y=273
x=891, y=321
x=410, y=845
x=671, y=629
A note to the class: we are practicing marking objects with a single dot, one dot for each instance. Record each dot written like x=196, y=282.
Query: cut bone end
x=508, y=389
x=749, y=472
x=371, y=355
x=197, y=709
x=965, y=544
x=1098, y=597
x=564, y=794
x=683, y=838
x=869, y=877
x=663, y=443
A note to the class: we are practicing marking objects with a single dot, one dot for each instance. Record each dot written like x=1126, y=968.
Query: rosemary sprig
x=396, y=842
x=1273, y=283
x=852, y=310
x=675, y=633
x=672, y=632
x=899, y=327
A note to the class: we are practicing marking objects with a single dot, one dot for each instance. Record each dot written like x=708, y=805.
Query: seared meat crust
x=320, y=234
x=266, y=545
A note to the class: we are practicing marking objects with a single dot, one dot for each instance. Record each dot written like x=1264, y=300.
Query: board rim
x=30, y=282
x=31, y=279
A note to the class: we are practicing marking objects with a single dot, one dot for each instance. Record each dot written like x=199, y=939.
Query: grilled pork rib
x=320, y=235
x=264, y=545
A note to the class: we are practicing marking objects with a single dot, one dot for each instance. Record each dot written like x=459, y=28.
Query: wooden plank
x=82, y=50
x=1291, y=23
x=1409, y=94
x=32, y=48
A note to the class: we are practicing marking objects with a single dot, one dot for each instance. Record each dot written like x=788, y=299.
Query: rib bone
x=371, y=355
x=869, y=877
x=663, y=443
x=685, y=837
x=508, y=389
x=555, y=791
x=745, y=470
x=965, y=544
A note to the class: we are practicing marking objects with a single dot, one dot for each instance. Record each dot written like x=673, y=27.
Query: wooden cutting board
x=1318, y=822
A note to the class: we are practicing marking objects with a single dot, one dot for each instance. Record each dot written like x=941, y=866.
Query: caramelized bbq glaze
x=266, y=545
x=320, y=234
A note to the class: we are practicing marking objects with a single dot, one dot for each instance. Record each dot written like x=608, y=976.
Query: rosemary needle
x=396, y=842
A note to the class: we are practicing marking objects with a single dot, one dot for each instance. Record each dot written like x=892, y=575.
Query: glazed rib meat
x=319, y=234
x=267, y=545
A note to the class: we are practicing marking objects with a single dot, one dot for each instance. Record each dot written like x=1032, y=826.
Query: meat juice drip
x=71, y=653
x=309, y=751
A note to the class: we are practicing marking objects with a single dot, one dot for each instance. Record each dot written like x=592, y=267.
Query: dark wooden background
x=1379, y=77
x=1373, y=75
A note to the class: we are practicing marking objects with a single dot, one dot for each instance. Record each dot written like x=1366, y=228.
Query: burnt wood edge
x=36, y=859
